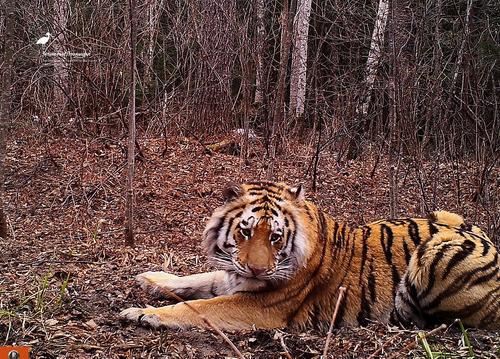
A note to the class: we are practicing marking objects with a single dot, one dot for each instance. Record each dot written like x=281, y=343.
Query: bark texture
x=129, y=215
x=298, y=74
x=61, y=13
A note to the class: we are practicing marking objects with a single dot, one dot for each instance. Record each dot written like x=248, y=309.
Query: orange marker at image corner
x=14, y=352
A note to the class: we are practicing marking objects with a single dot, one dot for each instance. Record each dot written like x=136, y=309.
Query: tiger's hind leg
x=452, y=276
x=196, y=286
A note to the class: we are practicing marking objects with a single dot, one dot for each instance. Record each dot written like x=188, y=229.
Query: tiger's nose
x=256, y=270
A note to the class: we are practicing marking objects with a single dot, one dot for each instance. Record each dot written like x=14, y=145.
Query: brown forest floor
x=65, y=273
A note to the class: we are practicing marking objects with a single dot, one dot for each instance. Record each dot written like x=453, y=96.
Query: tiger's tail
x=449, y=218
x=454, y=220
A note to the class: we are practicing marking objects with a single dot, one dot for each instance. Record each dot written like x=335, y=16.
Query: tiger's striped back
x=405, y=270
x=283, y=261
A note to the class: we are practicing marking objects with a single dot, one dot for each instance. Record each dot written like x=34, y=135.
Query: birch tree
x=279, y=108
x=371, y=69
x=154, y=9
x=261, y=33
x=299, y=58
x=374, y=56
x=61, y=11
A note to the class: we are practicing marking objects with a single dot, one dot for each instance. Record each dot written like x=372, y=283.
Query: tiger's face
x=259, y=233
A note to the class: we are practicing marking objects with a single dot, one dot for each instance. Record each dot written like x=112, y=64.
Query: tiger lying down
x=282, y=261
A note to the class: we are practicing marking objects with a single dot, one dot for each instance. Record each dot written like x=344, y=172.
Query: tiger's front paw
x=156, y=282
x=140, y=315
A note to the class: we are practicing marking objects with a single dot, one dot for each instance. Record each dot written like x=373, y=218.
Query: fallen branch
x=332, y=322
x=205, y=320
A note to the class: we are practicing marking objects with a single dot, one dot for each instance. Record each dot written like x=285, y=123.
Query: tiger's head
x=261, y=231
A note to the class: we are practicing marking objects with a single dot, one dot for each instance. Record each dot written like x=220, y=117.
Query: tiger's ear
x=297, y=193
x=232, y=191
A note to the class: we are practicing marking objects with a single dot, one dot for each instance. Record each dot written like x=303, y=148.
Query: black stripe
x=309, y=214
x=335, y=232
x=420, y=253
x=229, y=225
x=486, y=246
x=413, y=231
x=431, y=275
x=292, y=233
x=484, y=278
x=364, y=312
x=459, y=284
x=386, y=236
x=340, y=314
x=366, y=234
x=396, y=278
x=324, y=239
x=372, y=284
x=432, y=228
x=407, y=253
x=336, y=245
x=467, y=248
x=464, y=312
x=482, y=269
x=264, y=188
x=411, y=290
x=342, y=235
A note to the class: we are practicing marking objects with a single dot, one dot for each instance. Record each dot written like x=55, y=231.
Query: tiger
x=282, y=261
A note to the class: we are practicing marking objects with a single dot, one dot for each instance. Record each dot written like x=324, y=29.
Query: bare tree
x=61, y=15
x=129, y=215
x=260, y=40
x=401, y=57
x=6, y=73
x=374, y=56
x=154, y=10
x=299, y=58
x=279, y=106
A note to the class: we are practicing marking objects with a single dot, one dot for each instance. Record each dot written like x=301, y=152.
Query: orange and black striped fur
x=282, y=261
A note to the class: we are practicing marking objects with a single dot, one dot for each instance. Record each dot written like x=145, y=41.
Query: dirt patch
x=66, y=273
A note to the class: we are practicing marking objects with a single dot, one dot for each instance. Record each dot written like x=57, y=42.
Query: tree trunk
x=213, y=26
x=61, y=11
x=279, y=109
x=261, y=34
x=129, y=226
x=6, y=36
x=154, y=12
x=372, y=63
x=461, y=51
x=401, y=57
x=374, y=56
x=299, y=58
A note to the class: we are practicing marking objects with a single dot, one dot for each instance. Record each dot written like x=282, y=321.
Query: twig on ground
x=205, y=320
x=412, y=344
x=379, y=350
x=332, y=323
x=286, y=353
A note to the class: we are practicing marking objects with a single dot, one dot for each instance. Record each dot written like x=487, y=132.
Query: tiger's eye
x=245, y=232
